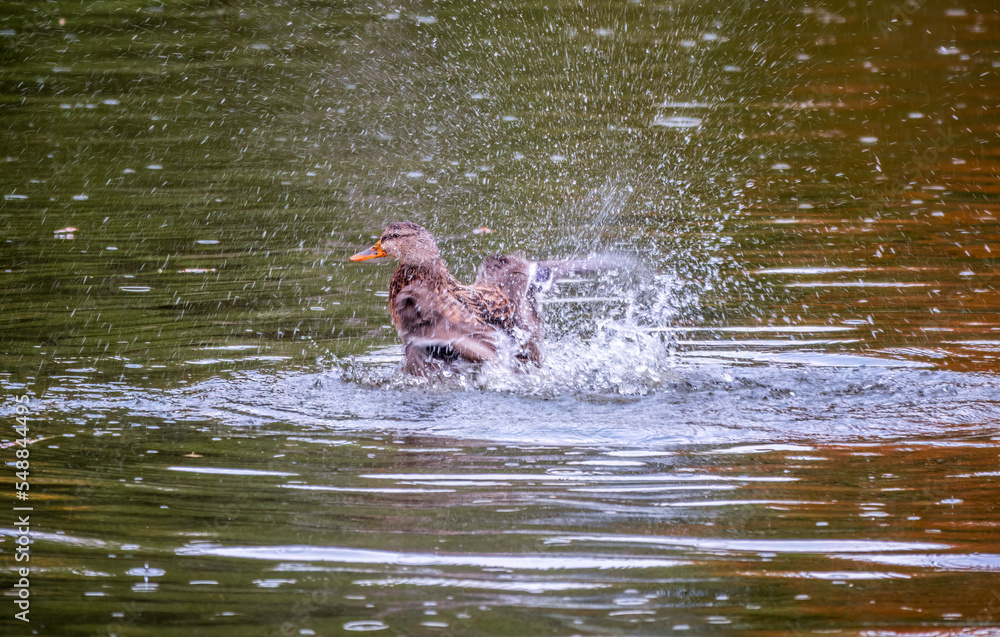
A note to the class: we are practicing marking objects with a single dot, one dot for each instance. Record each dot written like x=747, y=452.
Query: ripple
x=572, y=477
x=676, y=121
x=758, y=328
x=384, y=490
x=967, y=562
x=812, y=270
x=755, y=397
x=818, y=359
x=363, y=626
x=230, y=472
x=766, y=448
x=493, y=585
x=824, y=547
x=844, y=576
x=860, y=284
x=345, y=555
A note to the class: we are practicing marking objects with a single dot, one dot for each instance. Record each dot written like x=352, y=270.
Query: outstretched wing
x=511, y=278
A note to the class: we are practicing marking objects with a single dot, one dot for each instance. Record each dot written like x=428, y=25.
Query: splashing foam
x=619, y=353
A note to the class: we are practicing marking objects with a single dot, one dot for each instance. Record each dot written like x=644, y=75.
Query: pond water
x=784, y=419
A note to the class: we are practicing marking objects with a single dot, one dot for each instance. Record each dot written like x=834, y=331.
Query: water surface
x=784, y=420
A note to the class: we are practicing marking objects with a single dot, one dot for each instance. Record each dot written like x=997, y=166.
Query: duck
x=445, y=325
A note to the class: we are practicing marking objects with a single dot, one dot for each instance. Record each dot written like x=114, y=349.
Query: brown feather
x=442, y=322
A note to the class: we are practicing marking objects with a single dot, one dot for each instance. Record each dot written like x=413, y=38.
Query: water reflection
x=491, y=534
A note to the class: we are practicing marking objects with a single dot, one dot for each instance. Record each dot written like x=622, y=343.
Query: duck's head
x=405, y=241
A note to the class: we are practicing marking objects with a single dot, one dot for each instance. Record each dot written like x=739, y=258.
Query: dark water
x=784, y=420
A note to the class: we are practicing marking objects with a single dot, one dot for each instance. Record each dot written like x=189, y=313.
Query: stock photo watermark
x=926, y=161
x=302, y=610
x=898, y=14
x=992, y=608
x=126, y=617
x=21, y=510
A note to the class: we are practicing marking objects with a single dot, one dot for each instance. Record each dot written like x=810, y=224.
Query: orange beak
x=373, y=252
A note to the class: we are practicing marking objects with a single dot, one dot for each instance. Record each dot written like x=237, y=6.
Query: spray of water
x=607, y=331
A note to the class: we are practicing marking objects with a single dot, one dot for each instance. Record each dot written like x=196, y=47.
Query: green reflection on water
x=290, y=133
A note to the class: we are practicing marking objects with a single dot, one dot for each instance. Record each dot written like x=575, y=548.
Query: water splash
x=607, y=332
